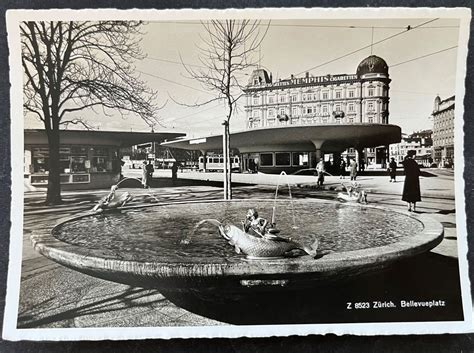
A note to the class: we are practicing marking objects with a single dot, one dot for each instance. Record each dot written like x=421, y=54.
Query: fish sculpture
x=111, y=201
x=261, y=247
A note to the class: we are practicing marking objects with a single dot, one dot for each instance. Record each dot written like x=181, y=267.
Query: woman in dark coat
x=411, y=188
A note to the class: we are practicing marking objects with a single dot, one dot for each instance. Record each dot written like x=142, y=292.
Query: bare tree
x=226, y=53
x=72, y=66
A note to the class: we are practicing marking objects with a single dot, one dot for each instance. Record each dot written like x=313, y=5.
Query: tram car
x=215, y=163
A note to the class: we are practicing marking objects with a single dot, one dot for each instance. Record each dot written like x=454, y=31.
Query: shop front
x=88, y=159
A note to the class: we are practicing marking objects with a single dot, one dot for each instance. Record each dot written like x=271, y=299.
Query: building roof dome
x=372, y=64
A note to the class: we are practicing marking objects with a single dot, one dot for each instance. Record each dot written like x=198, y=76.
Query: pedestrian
x=144, y=175
x=174, y=172
x=320, y=169
x=353, y=169
x=392, y=170
x=342, y=168
x=149, y=171
x=411, y=187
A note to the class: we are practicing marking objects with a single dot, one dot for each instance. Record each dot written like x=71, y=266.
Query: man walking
x=320, y=170
x=149, y=172
x=353, y=169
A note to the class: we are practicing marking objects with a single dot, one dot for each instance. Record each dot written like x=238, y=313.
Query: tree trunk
x=225, y=159
x=229, y=164
x=53, y=196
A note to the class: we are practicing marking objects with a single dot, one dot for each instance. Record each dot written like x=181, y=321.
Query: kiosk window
x=300, y=159
x=282, y=158
x=266, y=159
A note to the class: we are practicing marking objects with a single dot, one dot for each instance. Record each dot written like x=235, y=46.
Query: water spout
x=291, y=201
x=127, y=178
x=187, y=239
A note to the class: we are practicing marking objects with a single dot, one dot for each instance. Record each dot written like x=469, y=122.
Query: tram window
x=221, y=160
x=201, y=159
x=236, y=160
x=282, y=158
x=215, y=160
x=266, y=159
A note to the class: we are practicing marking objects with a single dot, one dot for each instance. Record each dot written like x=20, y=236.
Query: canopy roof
x=97, y=137
x=330, y=138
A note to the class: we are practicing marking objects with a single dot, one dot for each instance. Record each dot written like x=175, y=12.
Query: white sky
x=291, y=47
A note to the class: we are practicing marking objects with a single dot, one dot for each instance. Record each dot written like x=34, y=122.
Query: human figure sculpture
x=259, y=226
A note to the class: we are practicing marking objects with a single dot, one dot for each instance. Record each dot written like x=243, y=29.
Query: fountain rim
x=84, y=259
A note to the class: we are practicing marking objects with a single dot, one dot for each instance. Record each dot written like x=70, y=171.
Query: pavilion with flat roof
x=88, y=158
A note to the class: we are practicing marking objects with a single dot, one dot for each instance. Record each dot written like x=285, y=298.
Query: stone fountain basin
x=234, y=273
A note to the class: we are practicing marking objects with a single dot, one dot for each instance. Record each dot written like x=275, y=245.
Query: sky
x=292, y=47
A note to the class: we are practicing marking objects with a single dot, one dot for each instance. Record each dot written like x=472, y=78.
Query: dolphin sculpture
x=264, y=247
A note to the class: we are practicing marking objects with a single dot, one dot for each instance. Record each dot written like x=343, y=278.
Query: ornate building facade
x=332, y=99
x=443, y=132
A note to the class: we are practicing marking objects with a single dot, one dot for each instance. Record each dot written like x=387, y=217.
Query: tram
x=215, y=163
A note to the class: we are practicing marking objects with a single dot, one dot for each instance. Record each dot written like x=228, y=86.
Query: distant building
x=443, y=132
x=420, y=142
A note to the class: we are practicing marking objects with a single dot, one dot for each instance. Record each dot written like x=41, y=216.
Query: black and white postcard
x=231, y=173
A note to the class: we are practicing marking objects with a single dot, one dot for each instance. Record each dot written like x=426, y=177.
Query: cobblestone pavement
x=54, y=296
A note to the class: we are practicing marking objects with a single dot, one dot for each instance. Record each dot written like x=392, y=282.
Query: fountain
x=141, y=244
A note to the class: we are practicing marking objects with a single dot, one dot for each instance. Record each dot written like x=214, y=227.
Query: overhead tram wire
x=423, y=56
x=408, y=29
x=171, y=81
x=174, y=62
x=310, y=25
x=188, y=115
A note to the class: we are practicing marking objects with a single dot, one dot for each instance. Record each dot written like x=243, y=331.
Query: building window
x=371, y=119
x=309, y=110
x=271, y=99
x=337, y=107
x=293, y=98
x=282, y=159
x=282, y=99
x=255, y=114
x=350, y=107
x=255, y=100
x=271, y=112
x=300, y=159
x=325, y=95
x=338, y=94
x=266, y=159
x=304, y=96
x=282, y=111
x=100, y=160
x=294, y=111
x=371, y=92
x=370, y=106
x=351, y=93
x=325, y=109
x=271, y=122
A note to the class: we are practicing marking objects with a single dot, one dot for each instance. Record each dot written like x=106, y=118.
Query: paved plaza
x=55, y=296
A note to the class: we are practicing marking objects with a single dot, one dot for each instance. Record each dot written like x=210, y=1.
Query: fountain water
x=291, y=201
x=127, y=178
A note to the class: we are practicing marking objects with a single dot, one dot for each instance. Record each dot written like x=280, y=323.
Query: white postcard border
x=10, y=331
